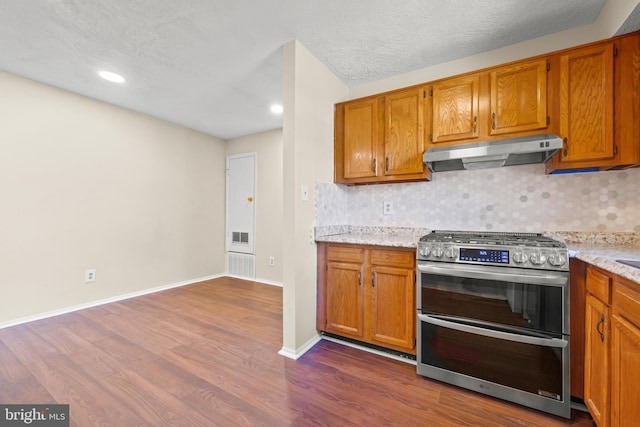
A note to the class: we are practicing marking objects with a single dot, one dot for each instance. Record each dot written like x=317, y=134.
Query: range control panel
x=513, y=256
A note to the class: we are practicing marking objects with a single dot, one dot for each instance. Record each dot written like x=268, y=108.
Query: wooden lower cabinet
x=596, y=386
x=625, y=372
x=367, y=293
x=344, y=298
x=612, y=349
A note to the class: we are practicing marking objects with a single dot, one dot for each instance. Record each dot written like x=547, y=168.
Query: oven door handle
x=503, y=274
x=526, y=339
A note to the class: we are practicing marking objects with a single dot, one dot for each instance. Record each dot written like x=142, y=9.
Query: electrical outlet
x=272, y=261
x=387, y=208
x=89, y=276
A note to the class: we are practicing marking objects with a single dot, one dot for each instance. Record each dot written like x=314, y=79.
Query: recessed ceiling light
x=112, y=77
x=277, y=109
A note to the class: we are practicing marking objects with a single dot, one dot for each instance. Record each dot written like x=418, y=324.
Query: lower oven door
x=501, y=332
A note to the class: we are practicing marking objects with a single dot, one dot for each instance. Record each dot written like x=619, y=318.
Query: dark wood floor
x=206, y=355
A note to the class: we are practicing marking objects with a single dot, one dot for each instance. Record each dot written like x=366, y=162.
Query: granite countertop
x=605, y=256
x=399, y=237
x=599, y=249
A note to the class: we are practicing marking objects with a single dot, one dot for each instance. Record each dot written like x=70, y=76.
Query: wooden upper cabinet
x=404, y=132
x=455, y=109
x=600, y=105
x=381, y=138
x=361, y=139
x=518, y=98
x=626, y=82
x=588, y=95
x=586, y=104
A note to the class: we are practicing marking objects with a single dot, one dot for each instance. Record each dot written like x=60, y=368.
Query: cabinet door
x=404, y=132
x=586, y=104
x=455, y=109
x=625, y=368
x=392, y=306
x=361, y=139
x=519, y=98
x=596, y=360
x=344, y=298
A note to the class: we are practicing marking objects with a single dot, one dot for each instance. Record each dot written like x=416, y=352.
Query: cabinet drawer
x=393, y=258
x=627, y=302
x=599, y=285
x=346, y=254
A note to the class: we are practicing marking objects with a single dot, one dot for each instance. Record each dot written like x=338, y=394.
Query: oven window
x=521, y=305
x=527, y=367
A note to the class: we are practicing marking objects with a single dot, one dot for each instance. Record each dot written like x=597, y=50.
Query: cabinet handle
x=374, y=166
x=600, y=322
x=566, y=146
x=373, y=279
x=386, y=164
x=493, y=120
x=359, y=278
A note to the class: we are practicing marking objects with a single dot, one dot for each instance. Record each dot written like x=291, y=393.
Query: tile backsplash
x=514, y=198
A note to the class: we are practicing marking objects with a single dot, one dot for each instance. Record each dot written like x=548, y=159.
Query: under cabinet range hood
x=491, y=154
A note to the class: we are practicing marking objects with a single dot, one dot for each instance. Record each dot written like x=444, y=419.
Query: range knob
x=425, y=252
x=437, y=252
x=520, y=257
x=537, y=258
x=557, y=260
x=450, y=253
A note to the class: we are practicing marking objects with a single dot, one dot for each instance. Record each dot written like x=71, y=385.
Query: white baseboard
x=295, y=355
x=78, y=307
x=266, y=282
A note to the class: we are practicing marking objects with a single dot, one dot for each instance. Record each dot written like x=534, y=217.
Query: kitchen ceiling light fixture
x=277, y=109
x=112, y=77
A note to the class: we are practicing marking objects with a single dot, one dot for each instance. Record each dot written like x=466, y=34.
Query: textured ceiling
x=216, y=65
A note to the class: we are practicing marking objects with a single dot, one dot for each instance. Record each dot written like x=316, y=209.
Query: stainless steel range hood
x=505, y=152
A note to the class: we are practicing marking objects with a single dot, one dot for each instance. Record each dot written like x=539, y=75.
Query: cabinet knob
x=566, y=146
x=493, y=120
x=250, y=199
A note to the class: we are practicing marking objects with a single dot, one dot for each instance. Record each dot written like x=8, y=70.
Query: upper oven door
x=507, y=298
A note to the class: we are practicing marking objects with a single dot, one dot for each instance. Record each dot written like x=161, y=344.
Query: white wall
x=310, y=92
x=84, y=184
x=269, y=222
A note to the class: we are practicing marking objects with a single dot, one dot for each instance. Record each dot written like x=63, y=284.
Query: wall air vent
x=240, y=237
x=241, y=265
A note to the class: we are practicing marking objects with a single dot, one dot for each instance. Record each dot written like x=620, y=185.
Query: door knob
x=250, y=199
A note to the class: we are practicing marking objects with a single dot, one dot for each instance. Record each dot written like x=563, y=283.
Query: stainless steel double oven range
x=493, y=315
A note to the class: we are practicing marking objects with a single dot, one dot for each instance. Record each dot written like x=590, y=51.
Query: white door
x=241, y=184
